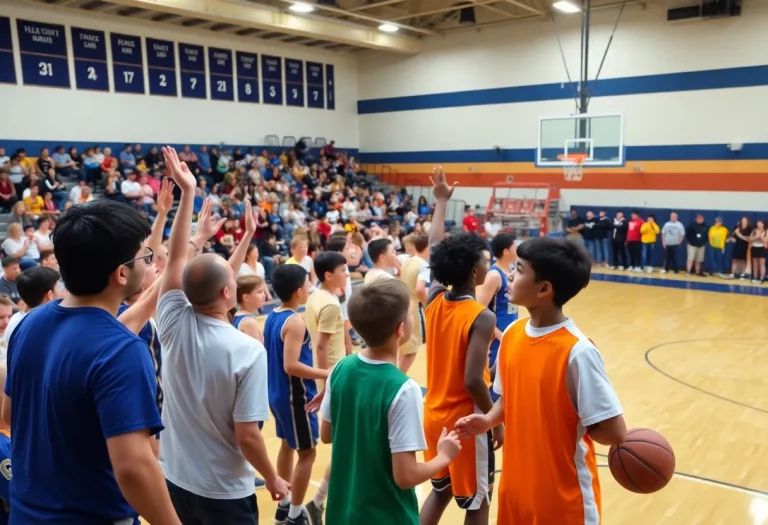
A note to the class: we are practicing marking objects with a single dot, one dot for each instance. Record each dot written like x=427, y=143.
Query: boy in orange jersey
x=458, y=333
x=556, y=398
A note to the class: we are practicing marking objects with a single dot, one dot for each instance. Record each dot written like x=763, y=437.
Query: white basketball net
x=572, y=169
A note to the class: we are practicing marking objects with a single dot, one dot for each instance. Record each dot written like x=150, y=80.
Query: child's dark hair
x=502, y=241
x=287, y=279
x=651, y=216
x=377, y=248
x=564, y=264
x=328, y=262
x=377, y=309
x=33, y=283
x=453, y=259
x=336, y=242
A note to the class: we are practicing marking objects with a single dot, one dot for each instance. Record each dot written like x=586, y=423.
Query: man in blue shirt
x=81, y=387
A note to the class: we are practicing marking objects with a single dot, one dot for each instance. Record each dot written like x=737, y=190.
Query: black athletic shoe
x=315, y=513
x=301, y=519
x=281, y=514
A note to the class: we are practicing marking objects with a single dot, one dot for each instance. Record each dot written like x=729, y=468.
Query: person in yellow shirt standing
x=718, y=235
x=648, y=233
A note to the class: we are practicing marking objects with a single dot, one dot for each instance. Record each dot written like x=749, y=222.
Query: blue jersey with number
x=506, y=312
x=284, y=387
x=148, y=334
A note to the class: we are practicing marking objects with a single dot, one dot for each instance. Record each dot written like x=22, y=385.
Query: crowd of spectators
x=629, y=244
x=299, y=194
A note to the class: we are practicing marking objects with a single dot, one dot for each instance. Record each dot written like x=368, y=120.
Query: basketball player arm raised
x=238, y=256
x=293, y=337
x=164, y=203
x=442, y=193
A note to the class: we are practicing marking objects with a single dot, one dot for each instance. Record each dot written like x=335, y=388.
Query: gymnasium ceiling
x=346, y=26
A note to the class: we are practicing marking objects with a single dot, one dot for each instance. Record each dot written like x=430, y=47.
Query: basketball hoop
x=573, y=166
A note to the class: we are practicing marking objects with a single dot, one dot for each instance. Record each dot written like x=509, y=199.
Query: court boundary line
x=736, y=287
x=694, y=387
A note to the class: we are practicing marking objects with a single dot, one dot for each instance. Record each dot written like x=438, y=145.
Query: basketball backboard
x=600, y=137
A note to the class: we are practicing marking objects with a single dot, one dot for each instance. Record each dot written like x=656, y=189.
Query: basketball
x=644, y=463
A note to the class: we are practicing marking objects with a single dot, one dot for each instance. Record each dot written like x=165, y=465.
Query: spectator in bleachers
x=154, y=160
x=148, y=199
x=44, y=231
x=137, y=153
x=491, y=227
x=19, y=214
x=758, y=240
x=672, y=236
x=111, y=188
x=11, y=271
x=188, y=156
x=470, y=222
x=696, y=235
x=44, y=162
x=718, y=236
x=56, y=188
x=329, y=150
x=74, y=193
x=97, y=154
x=648, y=233
x=19, y=246
x=741, y=248
x=37, y=286
x=423, y=208
x=86, y=195
x=91, y=170
x=4, y=159
x=131, y=189
x=8, y=195
x=6, y=312
x=76, y=158
x=49, y=206
x=127, y=159
x=26, y=163
x=574, y=227
x=63, y=162
x=222, y=164
x=108, y=165
x=205, y=161
x=48, y=259
x=16, y=174
x=34, y=202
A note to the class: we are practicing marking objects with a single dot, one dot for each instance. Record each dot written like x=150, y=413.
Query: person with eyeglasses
x=81, y=387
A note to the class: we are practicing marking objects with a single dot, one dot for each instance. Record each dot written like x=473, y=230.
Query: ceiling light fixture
x=302, y=8
x=388, y=28
x=566, y=7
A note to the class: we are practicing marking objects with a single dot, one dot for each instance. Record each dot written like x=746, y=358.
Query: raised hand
x=165, y=197
x=207, y=226
x=449, y=444
x=278, y=488
x=472, y=425
x=179, y=170
x=440, y=187
x=250, y=219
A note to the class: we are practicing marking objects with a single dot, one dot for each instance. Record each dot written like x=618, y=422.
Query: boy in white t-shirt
x=382, y=253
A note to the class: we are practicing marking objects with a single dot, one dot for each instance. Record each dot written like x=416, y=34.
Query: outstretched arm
x=135, y=317
x=182, y=224
x=164, y=203
x=442, y=193
x=238, y=256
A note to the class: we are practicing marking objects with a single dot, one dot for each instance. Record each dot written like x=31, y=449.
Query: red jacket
x=633, y=229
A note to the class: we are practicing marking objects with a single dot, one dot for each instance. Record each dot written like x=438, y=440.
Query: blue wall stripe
x=611, y=87
x=755, y=151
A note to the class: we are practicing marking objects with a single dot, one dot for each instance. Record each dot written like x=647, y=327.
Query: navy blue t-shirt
x=149, y=335
x=76, y=377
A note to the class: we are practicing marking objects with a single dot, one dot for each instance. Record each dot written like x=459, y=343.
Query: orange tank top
x=553, y=476
x=447, y=325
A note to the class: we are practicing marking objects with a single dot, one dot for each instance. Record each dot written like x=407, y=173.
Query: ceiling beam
x=444, y=9
x=262, y=17
x=526, y=7
x=376, y=4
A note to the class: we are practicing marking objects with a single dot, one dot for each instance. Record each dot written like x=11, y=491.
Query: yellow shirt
x=323, y=315
x=648, y=232
x=376, y=275
x=34, y=206
x=717, y=237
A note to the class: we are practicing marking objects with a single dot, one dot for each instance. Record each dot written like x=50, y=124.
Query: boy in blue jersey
x=5, y=461
x=493, y=291
x=291, y=386
x=81, y=387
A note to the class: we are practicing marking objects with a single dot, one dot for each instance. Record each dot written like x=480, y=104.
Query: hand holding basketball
x=449, y=445
x=644, y=463
x=472, y=425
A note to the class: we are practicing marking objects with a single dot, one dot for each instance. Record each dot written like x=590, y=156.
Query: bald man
x=216, y=376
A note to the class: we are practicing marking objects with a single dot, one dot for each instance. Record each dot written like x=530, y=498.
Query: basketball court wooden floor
x=692, y=365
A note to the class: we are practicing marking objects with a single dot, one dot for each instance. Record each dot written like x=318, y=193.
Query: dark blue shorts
x=293, y=424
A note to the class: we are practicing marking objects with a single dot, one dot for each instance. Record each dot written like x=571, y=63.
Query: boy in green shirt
x=373, y=414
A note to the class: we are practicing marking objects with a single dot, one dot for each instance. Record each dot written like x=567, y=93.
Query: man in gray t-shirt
x=672, y=236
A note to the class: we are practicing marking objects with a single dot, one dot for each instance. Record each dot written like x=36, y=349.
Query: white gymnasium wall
x=49, y=114
x=527, y=53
